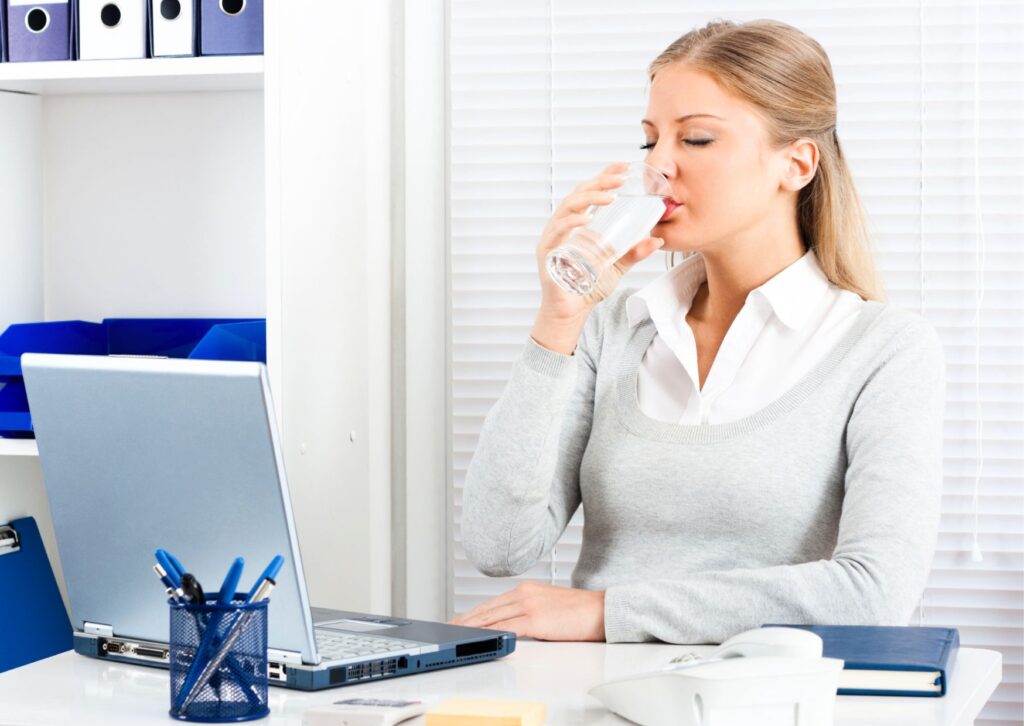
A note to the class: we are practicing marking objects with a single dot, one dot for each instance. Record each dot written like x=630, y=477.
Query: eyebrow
x=684, y=118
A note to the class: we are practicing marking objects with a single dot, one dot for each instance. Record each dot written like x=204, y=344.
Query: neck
x=733, y=272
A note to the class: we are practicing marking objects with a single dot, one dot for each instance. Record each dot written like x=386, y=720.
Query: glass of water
x=640, y=203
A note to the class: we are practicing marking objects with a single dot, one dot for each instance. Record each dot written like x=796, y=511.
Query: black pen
x=192, y=589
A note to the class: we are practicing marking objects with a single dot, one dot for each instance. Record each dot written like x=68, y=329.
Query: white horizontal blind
x=931, y=115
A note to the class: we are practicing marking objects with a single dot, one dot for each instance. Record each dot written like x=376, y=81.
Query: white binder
x=172, y=28
x=111, y=29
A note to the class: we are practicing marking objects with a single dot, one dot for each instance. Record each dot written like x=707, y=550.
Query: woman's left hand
x=544, y=612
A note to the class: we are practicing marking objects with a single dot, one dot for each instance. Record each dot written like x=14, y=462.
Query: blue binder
x=889, y=648
x=34, y=624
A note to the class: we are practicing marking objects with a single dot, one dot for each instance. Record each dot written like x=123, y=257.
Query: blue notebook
x=34, y=624
x=883, y=660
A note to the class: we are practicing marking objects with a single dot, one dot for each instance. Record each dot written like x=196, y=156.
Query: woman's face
x=713, y=149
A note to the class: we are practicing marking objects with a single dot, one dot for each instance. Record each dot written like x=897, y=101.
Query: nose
x=660, y=162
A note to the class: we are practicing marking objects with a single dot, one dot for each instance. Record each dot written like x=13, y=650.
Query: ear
x=801, y=163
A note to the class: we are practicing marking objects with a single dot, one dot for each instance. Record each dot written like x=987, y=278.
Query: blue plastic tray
x=67, y=336
x=205, y=338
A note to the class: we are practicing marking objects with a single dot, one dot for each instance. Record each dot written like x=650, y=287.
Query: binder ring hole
x=37, y=20
x=170, y=9
x=232, y=7
x=110, y=15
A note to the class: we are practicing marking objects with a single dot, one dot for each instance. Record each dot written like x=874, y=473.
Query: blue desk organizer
x=35, y=624
x=203, y=338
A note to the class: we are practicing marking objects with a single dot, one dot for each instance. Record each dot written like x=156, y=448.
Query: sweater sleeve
x=887, y=530
x=522, y=485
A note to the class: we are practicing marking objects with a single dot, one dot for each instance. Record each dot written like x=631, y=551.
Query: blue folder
x=889, y=648
x=35, y=624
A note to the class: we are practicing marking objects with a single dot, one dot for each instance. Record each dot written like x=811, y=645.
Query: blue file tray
x=35, y=624
x=234, y=341
x=68, y=336
x=206, y=338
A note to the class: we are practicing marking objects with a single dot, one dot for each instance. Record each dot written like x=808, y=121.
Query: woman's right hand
x=563, y=314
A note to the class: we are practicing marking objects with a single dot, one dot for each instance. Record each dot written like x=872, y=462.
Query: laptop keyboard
x=342, y=646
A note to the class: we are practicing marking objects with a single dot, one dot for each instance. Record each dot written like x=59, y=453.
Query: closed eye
x=691, y=142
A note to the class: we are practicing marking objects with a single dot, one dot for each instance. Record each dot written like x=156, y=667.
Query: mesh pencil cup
x=218, y=660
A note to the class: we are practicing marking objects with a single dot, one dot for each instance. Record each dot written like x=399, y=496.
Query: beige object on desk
x=465, y=712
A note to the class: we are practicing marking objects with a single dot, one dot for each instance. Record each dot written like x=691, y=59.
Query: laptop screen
x=139, y=454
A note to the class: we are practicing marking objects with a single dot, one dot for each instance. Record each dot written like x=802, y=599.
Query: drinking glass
x=578, y=263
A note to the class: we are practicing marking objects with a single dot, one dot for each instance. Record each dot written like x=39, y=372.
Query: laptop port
x=112, y=647
x=151, y=653
x=277, y=672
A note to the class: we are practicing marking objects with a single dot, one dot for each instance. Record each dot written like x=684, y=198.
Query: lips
x=670, y=206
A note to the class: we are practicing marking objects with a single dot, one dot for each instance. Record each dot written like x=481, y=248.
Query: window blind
x=544, y=93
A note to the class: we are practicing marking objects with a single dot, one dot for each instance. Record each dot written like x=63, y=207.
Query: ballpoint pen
x=224, y=597
x=177, y=565
x=173, y=592
x=234, y=632
x=227, y=589
x=268, y=574
x=168, y=567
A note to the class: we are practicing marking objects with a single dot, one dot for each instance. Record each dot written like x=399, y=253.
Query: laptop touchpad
x=357, y=626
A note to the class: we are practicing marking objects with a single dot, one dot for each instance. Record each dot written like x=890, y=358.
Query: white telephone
x=766, y=676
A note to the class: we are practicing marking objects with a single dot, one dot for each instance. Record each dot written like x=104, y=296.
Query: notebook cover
x=888, y=648
x=34, y=624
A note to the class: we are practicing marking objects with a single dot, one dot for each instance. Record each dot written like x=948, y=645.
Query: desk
x=71, y=689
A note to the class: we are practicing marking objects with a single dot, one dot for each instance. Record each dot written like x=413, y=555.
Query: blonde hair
x=786, y=75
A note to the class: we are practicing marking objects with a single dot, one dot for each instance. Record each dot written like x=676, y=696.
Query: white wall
x=154, y=205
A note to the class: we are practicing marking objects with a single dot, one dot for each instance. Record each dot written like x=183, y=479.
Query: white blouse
x=785, y=327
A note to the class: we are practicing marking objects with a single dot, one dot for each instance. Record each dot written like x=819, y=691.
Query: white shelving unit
x=18, y=447
x=228, y=187
x=145, y=75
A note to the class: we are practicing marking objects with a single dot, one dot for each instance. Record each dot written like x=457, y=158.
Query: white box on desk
x=110, y=29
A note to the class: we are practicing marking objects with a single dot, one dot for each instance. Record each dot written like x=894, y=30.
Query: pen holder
x=218, y=657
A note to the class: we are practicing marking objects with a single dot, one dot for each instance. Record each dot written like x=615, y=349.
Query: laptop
x=143, y=453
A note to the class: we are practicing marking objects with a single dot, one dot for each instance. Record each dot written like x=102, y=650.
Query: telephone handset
x=788, y=642
x=775, y=674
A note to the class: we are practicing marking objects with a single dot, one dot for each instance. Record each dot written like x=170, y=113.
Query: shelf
x=142, y=75
x=18, y=447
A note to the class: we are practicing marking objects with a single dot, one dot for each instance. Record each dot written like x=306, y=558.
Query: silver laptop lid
x=181, y=454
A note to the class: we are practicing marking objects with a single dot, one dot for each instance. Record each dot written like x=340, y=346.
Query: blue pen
x=177, y=565
x=268, y=574
x=224, y=597
x=172, y=572
x=227, y=590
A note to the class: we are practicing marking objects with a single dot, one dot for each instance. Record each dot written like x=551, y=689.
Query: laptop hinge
x=104, y=631
x=289, y=657
x=9, y=541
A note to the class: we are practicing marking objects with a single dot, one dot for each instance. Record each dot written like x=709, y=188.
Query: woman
x=755, y=437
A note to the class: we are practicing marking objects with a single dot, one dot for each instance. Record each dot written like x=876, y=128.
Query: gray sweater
x=821, y=508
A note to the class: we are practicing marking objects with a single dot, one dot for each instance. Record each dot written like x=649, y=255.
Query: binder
x=172, y=28
x=108, y=29
x=3, y=31
x=230, y=27
x=38, y=30
x=35, y=624
x=887, y=660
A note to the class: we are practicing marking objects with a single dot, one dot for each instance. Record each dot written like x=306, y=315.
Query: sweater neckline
x=636, y=421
